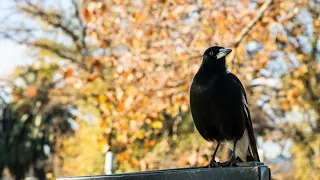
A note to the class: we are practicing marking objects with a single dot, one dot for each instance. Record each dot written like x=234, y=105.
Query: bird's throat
x=216, y=65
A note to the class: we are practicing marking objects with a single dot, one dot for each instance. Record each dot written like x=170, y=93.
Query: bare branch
x=249, y=26
x=52, y=49
x=54, y=20
x=60, y=54
x=25, y=35
x=83, y=26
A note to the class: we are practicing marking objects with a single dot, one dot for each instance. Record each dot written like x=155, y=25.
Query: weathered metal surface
x=245, y=171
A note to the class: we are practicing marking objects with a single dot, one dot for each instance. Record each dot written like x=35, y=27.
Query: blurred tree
x=139, y=87
x=3, y=128
x=296, y=43
x=41, y=93
x=154, y=60
x=49, y=27
x=165, y=39
x=80, y=154
x=38, y=119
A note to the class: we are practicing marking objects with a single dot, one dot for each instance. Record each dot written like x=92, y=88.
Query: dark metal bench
x=244, y=171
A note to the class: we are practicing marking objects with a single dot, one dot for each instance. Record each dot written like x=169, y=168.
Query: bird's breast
x=216, y=106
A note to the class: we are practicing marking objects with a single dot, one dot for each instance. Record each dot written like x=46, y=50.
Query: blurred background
x=102, y=86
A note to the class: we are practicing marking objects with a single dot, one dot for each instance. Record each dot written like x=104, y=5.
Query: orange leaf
x=30, y=91
x=16, y=97
x=285, y=105
x=85, y=14
x=69, y=73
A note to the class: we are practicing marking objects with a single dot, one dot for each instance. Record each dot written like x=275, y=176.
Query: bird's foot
x=234, y=163
x=213, y=164
x=231, y=163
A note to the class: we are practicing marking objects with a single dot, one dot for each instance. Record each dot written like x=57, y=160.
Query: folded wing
x=248, y=123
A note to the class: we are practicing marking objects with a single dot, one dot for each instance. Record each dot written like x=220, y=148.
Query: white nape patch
x=242, y=146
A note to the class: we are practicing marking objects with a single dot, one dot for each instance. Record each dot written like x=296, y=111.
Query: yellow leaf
x=102, y=98
x=129, y=90
x=140, y=134
x=136, y=43
x=156, y=124
x=300, y=57
x=139, y=17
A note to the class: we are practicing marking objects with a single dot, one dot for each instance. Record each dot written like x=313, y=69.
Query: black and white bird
x=219, y=108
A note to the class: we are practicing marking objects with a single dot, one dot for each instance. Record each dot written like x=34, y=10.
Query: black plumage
x=219, y=107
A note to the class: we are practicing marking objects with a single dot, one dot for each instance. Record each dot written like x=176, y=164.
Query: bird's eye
x=211, y=53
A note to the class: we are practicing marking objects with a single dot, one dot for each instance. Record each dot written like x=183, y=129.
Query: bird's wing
x=253, y=147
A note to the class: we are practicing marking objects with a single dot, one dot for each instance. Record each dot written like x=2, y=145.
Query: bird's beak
x=223, y=53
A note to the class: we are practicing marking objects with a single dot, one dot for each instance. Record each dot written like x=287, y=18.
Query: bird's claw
x=231, y=163
x=234, y=163
x=213, y=164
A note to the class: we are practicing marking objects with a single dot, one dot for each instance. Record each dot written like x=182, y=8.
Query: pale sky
x=11, y=54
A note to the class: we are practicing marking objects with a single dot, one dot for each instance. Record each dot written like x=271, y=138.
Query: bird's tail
x=252, y=145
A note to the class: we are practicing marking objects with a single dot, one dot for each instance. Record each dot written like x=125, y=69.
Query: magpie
x=219, y=108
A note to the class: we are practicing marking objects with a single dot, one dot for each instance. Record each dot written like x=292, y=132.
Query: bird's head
x=215, y=53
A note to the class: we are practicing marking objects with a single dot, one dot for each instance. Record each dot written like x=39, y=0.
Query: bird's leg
x=233, y=160
x=213, y=162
